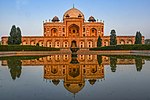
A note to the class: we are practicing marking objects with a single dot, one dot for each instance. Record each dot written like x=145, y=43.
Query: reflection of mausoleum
x=65, y=60
x=58, y=68
x=74, y=75
x=73, y=28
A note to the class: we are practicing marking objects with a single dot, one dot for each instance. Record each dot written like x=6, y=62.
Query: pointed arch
x=54, y=32
x=73, y=30
x=93, y=32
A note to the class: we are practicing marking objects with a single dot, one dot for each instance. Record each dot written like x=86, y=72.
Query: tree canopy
x=138, y=38
x=99, y=42
x=15, y=36
x=113, y=40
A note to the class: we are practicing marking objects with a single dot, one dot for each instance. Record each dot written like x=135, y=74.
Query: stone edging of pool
x=80, y=52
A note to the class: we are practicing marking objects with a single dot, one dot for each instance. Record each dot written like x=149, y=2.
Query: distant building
x=147, y=41
x=60, y=34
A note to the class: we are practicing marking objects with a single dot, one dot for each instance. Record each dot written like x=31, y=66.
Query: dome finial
x=73, y=5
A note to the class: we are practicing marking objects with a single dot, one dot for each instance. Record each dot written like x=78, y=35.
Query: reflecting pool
x=75, y=77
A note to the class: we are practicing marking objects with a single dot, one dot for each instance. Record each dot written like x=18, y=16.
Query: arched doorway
x=73, y=30
x=73, y=44
x=122, y=42
x=90, y=44
x=106, y=43
x=81, y=44
x=49, y=43
x=130, y=42
x=65, y=44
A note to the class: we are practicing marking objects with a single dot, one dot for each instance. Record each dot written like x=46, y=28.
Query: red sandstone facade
x=72, y=28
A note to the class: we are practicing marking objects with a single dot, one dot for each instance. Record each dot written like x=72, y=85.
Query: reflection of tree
x=15, y=67
x=113, y=63
x=138, y=63
x=99, y=59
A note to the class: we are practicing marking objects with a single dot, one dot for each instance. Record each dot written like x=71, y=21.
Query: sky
x=125, y=16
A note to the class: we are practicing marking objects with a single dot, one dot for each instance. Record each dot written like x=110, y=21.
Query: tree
x=15, y=36
x=12, y=35
x=138, y=38
x=113, y=40
x=99, y=42
x=19, y=37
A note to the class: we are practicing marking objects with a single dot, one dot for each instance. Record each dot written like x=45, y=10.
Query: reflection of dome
x=74, y=13
x=55, y=19
x=74, y=88
x=55, y=82
x=91, y=19
x=92, y=82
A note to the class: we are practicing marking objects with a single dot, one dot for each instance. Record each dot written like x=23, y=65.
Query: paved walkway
x=80, y=52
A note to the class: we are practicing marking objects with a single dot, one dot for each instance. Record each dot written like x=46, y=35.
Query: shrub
x=25, y=48
x=124, y=47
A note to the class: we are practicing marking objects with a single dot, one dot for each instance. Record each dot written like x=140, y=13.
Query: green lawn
x=124, y=47
x=26, y=48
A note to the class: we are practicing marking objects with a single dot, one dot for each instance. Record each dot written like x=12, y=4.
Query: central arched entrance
x=73, y=44
x=73, y=30
x=74, y=47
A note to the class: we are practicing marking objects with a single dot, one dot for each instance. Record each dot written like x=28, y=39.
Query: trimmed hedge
x=129, y=57
x=124, y=47
x=20, y=57
x=26, y=48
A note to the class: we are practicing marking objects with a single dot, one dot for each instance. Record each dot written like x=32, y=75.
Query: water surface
x=75, y=77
